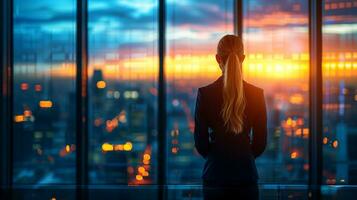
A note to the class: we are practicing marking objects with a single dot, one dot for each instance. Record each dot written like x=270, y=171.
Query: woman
x=230, y=127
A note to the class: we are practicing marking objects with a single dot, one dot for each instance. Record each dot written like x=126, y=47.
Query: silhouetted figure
x=230, y=127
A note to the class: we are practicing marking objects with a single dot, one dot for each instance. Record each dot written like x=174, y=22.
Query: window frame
x=6, y=100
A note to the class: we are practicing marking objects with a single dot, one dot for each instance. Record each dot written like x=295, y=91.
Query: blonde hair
x=230, y=48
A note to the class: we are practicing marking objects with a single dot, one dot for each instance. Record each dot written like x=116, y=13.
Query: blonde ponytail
x=233, y=92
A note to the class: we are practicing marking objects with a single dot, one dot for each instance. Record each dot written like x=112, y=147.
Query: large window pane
x=193, y=31
x=277, y=60
x=339, y=92
x=44, y=92
x=123, y=91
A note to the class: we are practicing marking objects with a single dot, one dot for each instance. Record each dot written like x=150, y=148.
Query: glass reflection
x=123, y=91
x=339, y=92
x=190, y=63
x=44, y=92
x=276, y=42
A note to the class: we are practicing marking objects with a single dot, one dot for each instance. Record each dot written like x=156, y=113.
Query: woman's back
x=230, y=127
x=229, y=156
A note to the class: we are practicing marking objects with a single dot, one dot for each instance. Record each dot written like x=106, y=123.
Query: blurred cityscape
x=123, y=72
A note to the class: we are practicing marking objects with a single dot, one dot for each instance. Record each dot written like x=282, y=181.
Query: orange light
x=147, y=156
x=68, y=148
x=325, y=140
x=335, y=144
x=145, y=173
x=296, y=99
x=24, y=86
x=174, y=150
x=19, y=118
x=45, y=104
x=118, y=147
x=27, y=113
x=139, y=177
x=141, y=169
x=101, y=84
x=38, y=87
x=107, y=147
x=128, y=146
x=146, y=162
x=294, y=155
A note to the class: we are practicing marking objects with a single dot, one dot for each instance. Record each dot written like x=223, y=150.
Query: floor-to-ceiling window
x=123, y=69
x=339, y=92
x=193, y=30
x=44, y=92
x=276, y=42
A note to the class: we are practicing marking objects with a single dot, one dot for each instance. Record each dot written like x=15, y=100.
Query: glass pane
x=339, y=92
x=123, y=73
x=276, y=42
x=190, y=63
x=44, y=92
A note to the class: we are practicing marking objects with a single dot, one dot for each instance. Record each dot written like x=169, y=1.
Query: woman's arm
x=201, y=127
x=260, y=126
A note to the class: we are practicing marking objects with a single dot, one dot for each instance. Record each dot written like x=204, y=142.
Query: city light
x=19, y=118
x=45, y=104
x=294, y=155
x=107, y=147
x=24, y=86
x=101, y=84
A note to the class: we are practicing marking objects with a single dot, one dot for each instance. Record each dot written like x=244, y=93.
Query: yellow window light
x=19, y=118
x=46, y=104
x=101, y=84
x=107, y=147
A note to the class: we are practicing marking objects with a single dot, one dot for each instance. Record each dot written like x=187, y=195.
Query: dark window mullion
x=315, y=137
x=162, y=153
x=6, y=98
x=82, y=99
x=238, y=17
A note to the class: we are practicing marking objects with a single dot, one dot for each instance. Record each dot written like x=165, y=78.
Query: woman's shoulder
x=252, y=88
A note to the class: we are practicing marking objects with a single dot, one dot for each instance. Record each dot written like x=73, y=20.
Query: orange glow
x=107, y=147
x=174, y=150
x=325, y=140
x=145, y=173
x=259, y=66
x=294, y=155
x=24, y=86
x=128, y=146
x=335, y=144
x=139, y=177
x=27, y=113
x=141, y=170
x=101, y=84
x=68, y=148
x=45, y=104
x=147, y=156
x=19, y=118
x=38, y=87
x=119, y=147
x=296, y=99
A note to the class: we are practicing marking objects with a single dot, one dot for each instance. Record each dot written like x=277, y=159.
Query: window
x=339, y=92
x=276, y=42
x=44, y=92
x=190, y=63
x=123, y=69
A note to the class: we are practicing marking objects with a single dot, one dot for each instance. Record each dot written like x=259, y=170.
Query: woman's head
x=230, y=55
x=227, y=45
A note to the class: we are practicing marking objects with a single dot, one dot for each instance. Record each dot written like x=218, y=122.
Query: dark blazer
x=229, y=157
